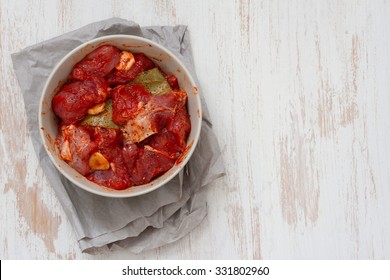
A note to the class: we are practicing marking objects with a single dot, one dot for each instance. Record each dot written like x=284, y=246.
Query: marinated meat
x=142, y=63
x=180, y=126
x=150, y=164
x=76, y=147
x=117, y=177
x=127, y=101
x=99, y=62
x=74, y=99
x=172, y=81
x=105, y=138
x=143, y=114
x=130, y=154
x=166, y=143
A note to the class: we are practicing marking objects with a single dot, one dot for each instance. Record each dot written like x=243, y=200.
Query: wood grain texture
x=299, y=97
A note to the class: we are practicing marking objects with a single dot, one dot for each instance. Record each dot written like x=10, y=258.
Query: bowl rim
x=149, y=187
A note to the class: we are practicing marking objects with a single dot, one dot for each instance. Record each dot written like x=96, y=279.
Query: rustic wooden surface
x=299, y=94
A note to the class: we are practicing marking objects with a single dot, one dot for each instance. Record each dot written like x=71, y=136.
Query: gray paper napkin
x=149, y=221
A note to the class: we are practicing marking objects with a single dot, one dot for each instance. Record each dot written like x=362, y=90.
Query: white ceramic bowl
x=168, y=62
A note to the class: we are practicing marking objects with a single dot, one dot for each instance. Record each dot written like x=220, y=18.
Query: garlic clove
x=98, y=162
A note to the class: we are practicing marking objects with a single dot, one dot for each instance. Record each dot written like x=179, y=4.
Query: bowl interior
x=166, y=61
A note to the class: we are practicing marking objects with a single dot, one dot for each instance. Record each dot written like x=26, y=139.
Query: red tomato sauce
x=147, y=135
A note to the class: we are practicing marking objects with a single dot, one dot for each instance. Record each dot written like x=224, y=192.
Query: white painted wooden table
x=299, y=93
